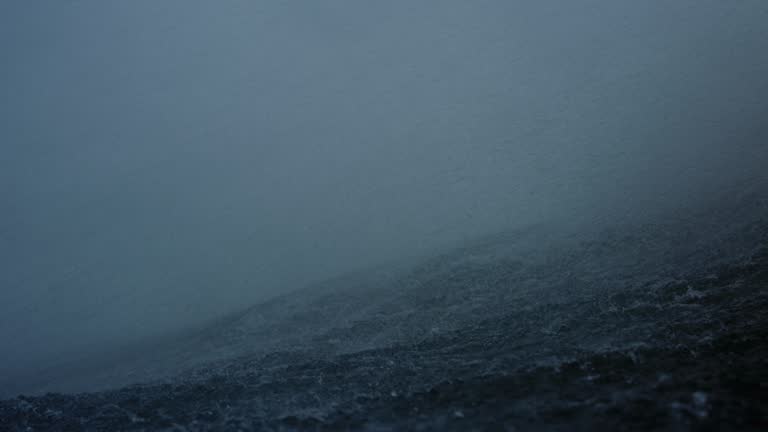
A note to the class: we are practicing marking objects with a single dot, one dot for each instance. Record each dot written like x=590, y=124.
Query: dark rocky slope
x=659, y=327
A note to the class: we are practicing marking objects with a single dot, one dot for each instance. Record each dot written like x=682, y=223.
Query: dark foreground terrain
x=664, y=327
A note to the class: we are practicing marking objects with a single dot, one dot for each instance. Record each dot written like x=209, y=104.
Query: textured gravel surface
x=663, y=327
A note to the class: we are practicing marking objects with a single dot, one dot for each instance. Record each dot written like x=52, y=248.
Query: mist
x=166, y=163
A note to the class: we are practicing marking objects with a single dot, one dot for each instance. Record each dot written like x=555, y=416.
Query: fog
x=165, y=163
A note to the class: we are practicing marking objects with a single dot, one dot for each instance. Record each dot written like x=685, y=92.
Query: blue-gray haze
x=163, y=163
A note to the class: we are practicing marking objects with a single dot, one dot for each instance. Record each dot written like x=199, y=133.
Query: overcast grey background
x=165, y=162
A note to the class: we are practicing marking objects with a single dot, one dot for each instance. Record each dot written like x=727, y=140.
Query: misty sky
x=164, y=162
